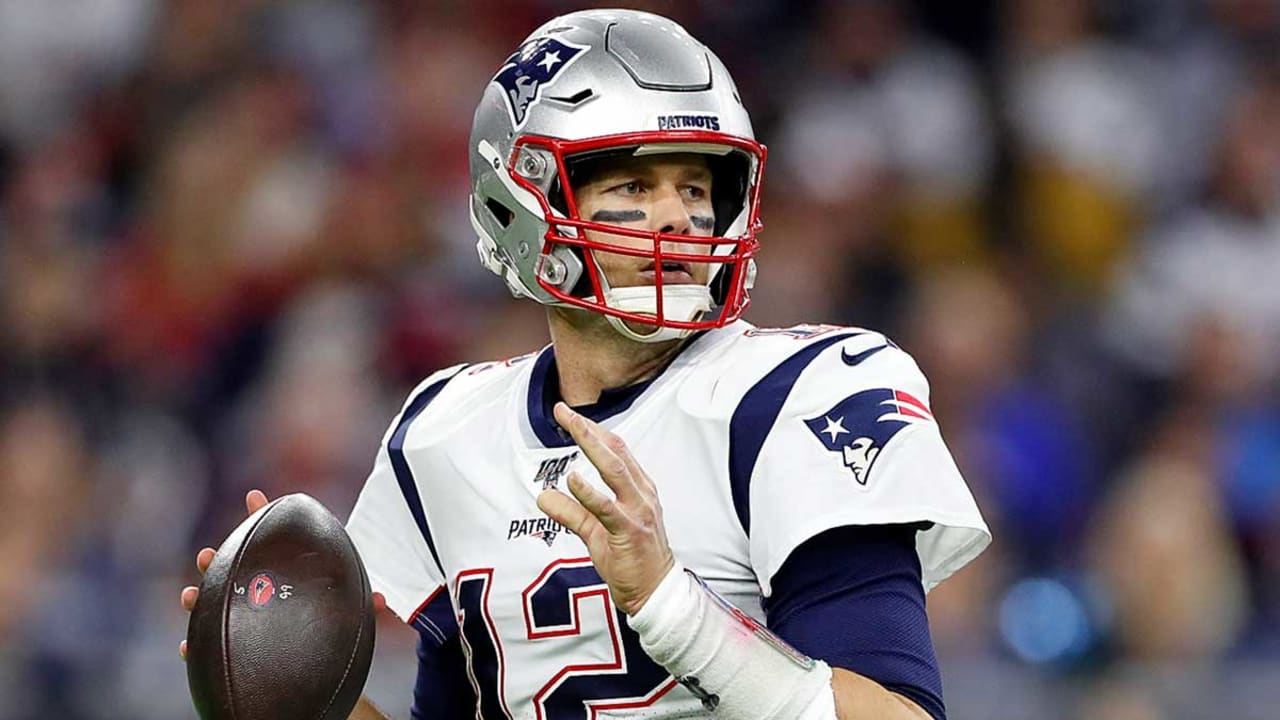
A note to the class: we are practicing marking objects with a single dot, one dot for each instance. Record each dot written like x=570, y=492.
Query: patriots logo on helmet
x=534, y=64
x=860, y=426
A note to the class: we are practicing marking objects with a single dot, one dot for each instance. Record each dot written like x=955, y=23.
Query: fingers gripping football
x=624, y=534
x=254, y=500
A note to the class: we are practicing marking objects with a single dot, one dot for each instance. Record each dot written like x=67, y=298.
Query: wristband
x=733, y=664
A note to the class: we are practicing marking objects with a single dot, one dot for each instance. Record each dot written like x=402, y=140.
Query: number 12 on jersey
x=555, y=605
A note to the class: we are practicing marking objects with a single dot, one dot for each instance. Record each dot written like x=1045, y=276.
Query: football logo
x=261, y=589
x=859, y=427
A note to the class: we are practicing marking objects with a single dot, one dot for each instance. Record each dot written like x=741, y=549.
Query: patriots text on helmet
x=688, y=122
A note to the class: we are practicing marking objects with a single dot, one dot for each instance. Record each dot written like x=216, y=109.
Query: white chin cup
x=679, y=302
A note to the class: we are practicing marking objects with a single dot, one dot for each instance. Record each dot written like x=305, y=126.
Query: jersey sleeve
x=392, y=542
x=855, y=443
x=395, y=554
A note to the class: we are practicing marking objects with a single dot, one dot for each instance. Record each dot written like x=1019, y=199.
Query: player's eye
x=695, y=192
x=627, y=188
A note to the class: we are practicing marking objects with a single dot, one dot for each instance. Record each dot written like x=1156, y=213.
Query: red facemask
x=729, y=256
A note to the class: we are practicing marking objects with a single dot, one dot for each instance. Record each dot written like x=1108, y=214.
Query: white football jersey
x=757, y=440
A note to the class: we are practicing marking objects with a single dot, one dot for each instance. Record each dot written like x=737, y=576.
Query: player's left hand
x=624, y=535
x=253, y=501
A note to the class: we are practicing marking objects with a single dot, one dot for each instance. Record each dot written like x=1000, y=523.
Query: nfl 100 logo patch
x=550, y=471
x=548, y=478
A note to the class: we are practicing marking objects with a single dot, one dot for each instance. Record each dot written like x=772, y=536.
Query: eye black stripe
x=618, y=216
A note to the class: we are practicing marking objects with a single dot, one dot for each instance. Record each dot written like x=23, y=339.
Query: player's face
x=665, y=193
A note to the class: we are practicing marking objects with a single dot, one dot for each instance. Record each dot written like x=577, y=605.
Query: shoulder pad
x=724, y=376
x=865, y=363
x=444, y=401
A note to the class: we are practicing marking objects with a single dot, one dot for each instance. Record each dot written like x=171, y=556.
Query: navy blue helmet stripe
x=404, y=475
x=755, y=415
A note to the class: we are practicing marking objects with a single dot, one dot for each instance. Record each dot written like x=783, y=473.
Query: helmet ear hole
x=501, y=213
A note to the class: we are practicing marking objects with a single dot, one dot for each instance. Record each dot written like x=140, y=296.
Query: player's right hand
x=624, y=535
x=253, y=501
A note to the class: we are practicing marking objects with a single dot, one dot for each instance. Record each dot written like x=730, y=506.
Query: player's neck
x=592, y=357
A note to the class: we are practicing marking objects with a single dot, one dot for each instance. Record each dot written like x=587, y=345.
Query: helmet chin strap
x=679, y=302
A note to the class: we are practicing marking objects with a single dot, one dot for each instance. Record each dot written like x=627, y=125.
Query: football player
x=667, y=512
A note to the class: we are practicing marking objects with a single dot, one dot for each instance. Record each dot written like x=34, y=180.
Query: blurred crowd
x=233, y=235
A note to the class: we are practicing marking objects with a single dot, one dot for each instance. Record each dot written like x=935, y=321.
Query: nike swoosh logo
x=857, y=358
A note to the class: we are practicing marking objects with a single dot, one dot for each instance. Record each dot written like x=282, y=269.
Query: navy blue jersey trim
x=754, y=417
x=544, y=393
x=436, y=619
x=404, y=475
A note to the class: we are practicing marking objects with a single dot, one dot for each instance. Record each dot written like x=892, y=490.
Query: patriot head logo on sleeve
x=535, y=64
x=860, y=426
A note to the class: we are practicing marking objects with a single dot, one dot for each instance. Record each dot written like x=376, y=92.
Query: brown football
x=283, y=627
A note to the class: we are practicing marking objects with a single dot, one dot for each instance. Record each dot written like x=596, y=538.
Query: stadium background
x=233, y=236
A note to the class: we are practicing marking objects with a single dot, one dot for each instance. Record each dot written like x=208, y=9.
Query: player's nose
x=670, y=214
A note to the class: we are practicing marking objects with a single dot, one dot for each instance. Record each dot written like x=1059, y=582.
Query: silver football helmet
x=612, y=81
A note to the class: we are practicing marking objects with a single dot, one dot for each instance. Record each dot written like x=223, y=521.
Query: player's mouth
x=673, y=273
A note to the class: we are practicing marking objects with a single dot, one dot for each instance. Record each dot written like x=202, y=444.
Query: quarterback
x=668, y=512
